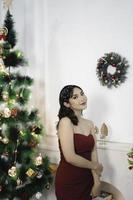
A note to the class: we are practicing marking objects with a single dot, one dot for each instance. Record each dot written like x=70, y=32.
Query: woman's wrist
x=94, y=165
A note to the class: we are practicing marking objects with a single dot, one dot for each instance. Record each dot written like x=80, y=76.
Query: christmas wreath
x=111, y=69
x=130, y=159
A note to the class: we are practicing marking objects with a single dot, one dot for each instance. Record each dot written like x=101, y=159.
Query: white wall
x=78, y=33
x=62, y=40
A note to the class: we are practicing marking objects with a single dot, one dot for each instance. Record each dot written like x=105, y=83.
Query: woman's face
x=78, y=101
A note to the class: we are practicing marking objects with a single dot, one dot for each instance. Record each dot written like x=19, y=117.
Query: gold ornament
x=38, y=160
x=5, y=140
x=12, y=171
x=22, y=133
x=30, y=172
x=3, y=31
x=6, y=113
x=104, y=131
x=7, y=3
x=2, y=66
x=53, y=168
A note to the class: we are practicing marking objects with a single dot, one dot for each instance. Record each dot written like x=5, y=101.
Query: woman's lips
x=83, y=104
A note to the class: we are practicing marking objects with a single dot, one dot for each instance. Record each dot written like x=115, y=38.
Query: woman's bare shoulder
x=65, y=127
x=65, y=121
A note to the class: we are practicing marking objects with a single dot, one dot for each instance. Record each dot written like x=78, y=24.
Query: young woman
x=77, y=176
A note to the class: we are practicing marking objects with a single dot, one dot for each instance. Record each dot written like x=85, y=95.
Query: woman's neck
x=78, y=114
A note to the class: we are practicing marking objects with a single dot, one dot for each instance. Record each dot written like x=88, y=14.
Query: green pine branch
x=9, y=24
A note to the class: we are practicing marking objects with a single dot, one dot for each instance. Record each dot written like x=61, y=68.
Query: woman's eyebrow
x=74, y=95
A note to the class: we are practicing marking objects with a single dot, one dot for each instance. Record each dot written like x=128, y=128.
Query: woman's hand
x=96, y=188
x=98, y=168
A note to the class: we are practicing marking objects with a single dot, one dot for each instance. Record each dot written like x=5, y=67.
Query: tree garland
x=111, y=69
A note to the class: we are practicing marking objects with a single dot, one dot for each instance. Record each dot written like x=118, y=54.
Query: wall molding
x=115, y=146
x=101, y=144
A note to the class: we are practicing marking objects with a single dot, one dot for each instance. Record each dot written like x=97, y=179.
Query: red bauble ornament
x=32, y=143
x=14, y=112
x=1, y=188
x=130, y=167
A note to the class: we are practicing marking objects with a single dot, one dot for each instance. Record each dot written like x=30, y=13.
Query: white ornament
x=7, y=113
x=111, y=70
x=38, y=160
x=12, y=171
x=38, y=195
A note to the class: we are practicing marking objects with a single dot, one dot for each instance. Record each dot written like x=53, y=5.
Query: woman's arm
x=96, y=174
x=65, y=132
x=94, y=155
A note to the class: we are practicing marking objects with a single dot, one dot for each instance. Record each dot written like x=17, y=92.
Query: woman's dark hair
x=65, y=94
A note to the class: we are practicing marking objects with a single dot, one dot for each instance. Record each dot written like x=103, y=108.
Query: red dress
x=71, y=182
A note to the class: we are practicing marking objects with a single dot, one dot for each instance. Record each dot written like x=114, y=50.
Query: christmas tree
x=23, y=170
